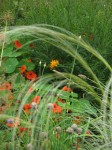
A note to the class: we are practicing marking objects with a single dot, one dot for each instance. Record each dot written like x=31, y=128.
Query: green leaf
x=15, y=54
x=65, y=105
x=63, y=94
x=11, y=64
x=74, y=94
x=7, y=51
x=29, y=65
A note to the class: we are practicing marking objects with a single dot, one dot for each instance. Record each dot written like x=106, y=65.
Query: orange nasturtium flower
x=27, y=107
x=31, y=75
x=56, y=108
x=6, y=86
x=36, y=99
x=54, y=63
x=22, y=69
x=29, y=60
x=66, y=88
x=17, y=44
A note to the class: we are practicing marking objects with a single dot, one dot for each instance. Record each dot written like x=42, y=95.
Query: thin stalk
x=1, y=56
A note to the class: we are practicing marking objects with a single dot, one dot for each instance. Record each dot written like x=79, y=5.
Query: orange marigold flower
x=56, y=108
x=54, y=63
x=36, y=99
x=66, y=88
x=17, y=44
x=6, y=86
x=22, y=69
x=31, y=75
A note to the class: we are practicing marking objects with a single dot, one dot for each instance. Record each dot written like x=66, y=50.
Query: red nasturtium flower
x=29, y=60
x=61, y=100
x=32, y=45
x=66, y=88
x=31, y=75
x=36, y=99
x=22, y=129
x=56, y=108
x=6, y=86
x=17, y=44
x=10, y=125
x=77, y=120
x=22, y=69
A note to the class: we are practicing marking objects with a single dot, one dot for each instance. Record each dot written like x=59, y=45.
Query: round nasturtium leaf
x=10, y=65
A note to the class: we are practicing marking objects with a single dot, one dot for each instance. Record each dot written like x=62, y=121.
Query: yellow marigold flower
x=54, y=63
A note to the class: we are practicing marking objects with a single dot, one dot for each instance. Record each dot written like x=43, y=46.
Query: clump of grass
x=101, y=93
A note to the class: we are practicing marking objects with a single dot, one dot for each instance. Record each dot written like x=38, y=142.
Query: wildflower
x=8, y=16
x=58, y=129
x=29, y=60
x=11, y=96
x=30, y=146
x=22, y=129
x=44, y=65
x=32, y=45
x=27, y=107
x=50, y=106
x=77, y=120
x=31, y=75
x=36, y=99
x=40, y=63
x=74, y=126
x=22, y=69
x=34, y=105
x=17, y=44
x=56, y=108
x=61, y=100
x=66, y=88
x=54, y=63
x=13, y=123
x=10, y=125
x=70, y=130
x=6, y=86
x=79, y=130
x=10, y=120
x=44, y=135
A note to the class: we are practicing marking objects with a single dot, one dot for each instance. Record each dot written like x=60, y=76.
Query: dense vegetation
x=55, y=74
